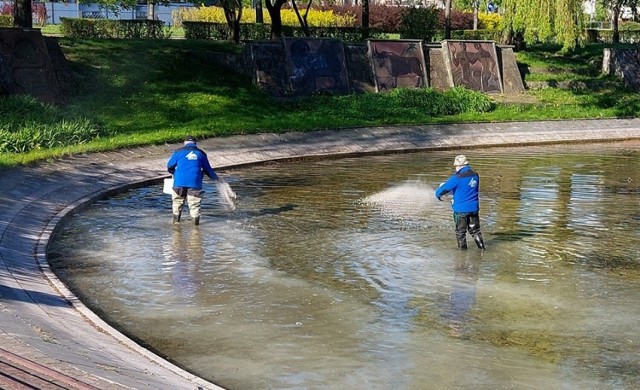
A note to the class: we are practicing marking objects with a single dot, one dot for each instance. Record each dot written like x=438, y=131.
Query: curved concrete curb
x=41, y=320
x=84, y=311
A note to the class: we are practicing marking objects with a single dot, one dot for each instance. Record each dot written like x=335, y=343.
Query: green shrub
x=255, y=31
x=630, y=26
x=106, y=28
x=470, y=35
x=27, y=124
x=450, y=102
x=208, y=30
x=427, y=100
x=460, y=99
x=77, y=28
x=346, y=34
x=419, y=23
x=405, y=102
x=629, y=33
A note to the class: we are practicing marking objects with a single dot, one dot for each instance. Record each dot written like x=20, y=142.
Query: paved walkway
x=45, y=330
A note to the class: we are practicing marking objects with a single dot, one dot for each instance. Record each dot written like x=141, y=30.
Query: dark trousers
x=468, y=222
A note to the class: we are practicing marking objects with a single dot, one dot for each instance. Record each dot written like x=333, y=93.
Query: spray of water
x=408, y=201
x=226, y=194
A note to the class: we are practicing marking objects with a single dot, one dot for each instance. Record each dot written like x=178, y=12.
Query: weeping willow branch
x=545, y=21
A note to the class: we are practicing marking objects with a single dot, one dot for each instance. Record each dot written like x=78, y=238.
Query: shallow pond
x=344, y=273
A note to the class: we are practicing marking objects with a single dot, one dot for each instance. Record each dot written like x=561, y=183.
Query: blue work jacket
x=464, y=186
x=188, y=165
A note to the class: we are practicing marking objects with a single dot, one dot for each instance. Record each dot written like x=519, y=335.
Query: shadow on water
x=515, y=235
x=610, y=262
x=241, y=214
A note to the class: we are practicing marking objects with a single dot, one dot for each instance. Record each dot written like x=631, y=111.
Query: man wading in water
x=188, y=165
x=464, y=186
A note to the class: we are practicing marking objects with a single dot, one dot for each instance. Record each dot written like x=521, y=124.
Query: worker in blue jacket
x=464, y=186
x=188, y=165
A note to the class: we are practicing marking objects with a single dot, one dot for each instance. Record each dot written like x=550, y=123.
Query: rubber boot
x=462, y=242
x=176, y=218
x=196, y=221
x=479, y=241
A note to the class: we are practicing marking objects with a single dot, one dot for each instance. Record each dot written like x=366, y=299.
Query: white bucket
x=168, y=186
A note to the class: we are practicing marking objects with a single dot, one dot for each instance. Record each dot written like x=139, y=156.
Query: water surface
x=345, y=273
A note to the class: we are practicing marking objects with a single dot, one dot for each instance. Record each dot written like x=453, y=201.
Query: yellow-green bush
x=6, y=21
x=208, y=14
x=489, y=21
x=316, y=18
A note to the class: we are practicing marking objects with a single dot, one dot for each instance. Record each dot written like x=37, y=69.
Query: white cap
x=460, y=160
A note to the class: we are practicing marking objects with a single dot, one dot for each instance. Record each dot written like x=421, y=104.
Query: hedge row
x=105, y=28
x=155, y=29
x=220, y=31
x=471, y=35
x=626, y=36
x=412, y=23
x=250, y=31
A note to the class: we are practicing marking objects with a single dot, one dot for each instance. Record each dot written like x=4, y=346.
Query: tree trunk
x=516, y=39
x=151, y=10
x=476, y=5
x=303, y=21
x=236, y=25
x=447, y=19
x=365, y=19
x=233, y=16
x=276, y=18
x=22, y=14
x=276, y=25
x=259, y=16
x=615, y=28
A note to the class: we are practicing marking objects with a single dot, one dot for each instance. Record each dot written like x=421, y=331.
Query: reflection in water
x=182, y=258
x=345, y=274
x=463, y=290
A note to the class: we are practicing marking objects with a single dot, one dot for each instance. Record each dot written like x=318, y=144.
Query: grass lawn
x=149, y=92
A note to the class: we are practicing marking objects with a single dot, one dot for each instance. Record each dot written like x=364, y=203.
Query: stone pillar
x=511, y=78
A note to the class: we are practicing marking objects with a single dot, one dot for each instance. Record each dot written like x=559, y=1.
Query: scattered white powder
x=408, y=201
